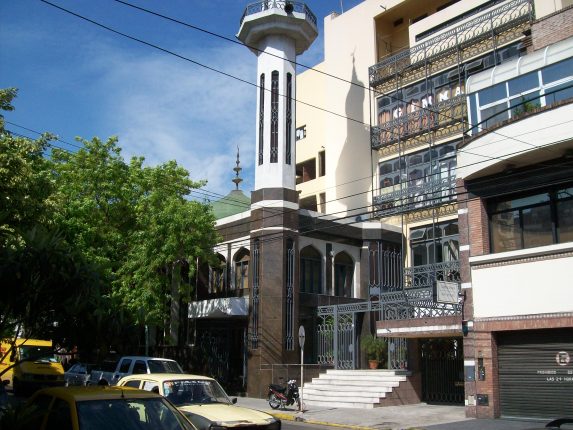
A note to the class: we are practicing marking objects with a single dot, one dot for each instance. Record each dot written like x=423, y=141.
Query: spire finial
x=237, y=180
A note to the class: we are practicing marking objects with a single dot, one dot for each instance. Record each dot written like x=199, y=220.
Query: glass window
x=310, y=271
x=557, y=71
x=436, y=244
x=60, y=416
x=505, y=231
x=558, y=93
x=564, y=209
x=134, y=383
x=125, y=363
x=492, y=94
x=139, y=367
x=525, y=103
x=530, y=221
x=523, y=83
x=494, y=115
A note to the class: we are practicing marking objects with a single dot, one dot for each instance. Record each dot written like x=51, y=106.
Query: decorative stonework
x=521, y=260
x=429, y=213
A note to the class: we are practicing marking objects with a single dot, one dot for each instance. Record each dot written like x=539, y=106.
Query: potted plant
x=375, y=349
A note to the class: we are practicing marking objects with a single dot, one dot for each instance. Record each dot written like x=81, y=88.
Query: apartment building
x=411, y=203
x=426, y=77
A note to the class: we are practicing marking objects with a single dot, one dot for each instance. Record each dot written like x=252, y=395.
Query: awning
x=220, y=308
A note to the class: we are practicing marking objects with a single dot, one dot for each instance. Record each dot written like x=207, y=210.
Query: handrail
x=263, y=5
x=479, y=127
x=518, y=10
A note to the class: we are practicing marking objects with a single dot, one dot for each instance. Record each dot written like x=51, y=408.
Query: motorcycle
x=280, y=396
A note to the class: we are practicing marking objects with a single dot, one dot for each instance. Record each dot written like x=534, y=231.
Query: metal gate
x=443, y=370
x=536, y=373
x=337, y=340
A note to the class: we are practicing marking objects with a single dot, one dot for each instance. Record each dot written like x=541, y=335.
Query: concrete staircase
x=360, y=389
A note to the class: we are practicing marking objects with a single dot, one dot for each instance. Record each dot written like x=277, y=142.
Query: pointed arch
x=311, y=279
x=343, y=274
x=218, y=275
x=241, y=262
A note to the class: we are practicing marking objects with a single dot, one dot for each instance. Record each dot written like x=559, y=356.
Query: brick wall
x=552, y=28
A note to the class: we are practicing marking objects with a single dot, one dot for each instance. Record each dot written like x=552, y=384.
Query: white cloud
x=166, y=108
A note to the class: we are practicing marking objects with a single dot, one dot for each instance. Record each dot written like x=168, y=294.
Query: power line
x=40, y=133
x=254, y=48
x=429, y=110
x=182, y=57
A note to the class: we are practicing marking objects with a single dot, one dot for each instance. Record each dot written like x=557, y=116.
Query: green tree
x=135, y=221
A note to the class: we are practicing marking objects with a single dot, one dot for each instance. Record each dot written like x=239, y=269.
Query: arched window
x=261, y=117
x=274, y=116
x=343, y=275
x=310, y=271
x=218, y=275
x=241, y=261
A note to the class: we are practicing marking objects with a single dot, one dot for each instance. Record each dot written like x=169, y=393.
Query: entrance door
x=536, y=373
x=443, y=370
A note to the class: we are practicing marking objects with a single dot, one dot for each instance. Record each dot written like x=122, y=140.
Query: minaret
x=276, y=31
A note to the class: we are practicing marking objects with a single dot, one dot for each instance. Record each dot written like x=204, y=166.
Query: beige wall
x=345, y=133
x=526, y=282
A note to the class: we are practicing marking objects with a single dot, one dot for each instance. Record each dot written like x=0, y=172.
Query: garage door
x=536, y=373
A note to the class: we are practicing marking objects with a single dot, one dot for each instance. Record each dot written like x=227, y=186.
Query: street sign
x=301, y=336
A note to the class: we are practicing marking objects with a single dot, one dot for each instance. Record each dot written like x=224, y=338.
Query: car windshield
x=194, y=391
x=43, y=354
x=130, y=414
x=164, y=366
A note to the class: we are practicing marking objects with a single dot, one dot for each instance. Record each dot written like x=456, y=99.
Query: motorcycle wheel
x=274, y=402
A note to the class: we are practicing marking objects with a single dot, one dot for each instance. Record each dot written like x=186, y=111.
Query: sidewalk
x=420, y=417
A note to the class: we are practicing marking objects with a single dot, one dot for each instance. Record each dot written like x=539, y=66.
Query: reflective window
x=492, y=94
x=430, y=245
x=532, y=220
x=557, y=71
x=310, y=271
x=523, y=83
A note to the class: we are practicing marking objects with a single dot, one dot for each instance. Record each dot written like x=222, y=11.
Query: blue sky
x=76, y=79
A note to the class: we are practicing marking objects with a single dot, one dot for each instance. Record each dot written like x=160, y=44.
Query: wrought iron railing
x=413, y=197
x=423, y=120
x=264, y=5
x=482, y=27
x=426, y=276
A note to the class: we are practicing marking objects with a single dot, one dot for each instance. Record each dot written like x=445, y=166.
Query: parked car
x=96, y=408
x=78, y=374
x=203, y=401
x=133, y=365
x=31, y=363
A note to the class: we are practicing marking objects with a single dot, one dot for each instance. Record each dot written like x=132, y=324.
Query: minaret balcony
x=287, y=18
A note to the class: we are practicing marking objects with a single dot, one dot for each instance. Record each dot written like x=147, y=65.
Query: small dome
x=233, y=203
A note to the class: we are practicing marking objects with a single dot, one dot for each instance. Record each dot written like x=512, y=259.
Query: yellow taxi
x=203, y=401
x=97, y=408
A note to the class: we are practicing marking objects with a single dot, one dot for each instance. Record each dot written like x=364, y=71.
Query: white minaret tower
x=276, y=31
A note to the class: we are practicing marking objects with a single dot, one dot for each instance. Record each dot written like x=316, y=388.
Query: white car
x=203, y=401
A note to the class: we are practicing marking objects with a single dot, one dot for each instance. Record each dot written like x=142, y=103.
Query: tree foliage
x=105, y=241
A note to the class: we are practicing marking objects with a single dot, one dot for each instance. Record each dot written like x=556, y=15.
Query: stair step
x=344, y=388
x=358, y=389
x=352, y=405
x=354, y=395
x=359, y=381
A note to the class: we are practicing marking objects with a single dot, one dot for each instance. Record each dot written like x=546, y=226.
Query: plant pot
x=373, y=364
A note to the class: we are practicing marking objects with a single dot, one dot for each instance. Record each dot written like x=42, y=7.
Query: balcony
x=444, y=119
x=486, y=32
x=413, y=197
x=283, y=5
x=417, y=299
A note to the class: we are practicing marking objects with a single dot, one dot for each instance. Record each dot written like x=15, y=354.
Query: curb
x=291, y=417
